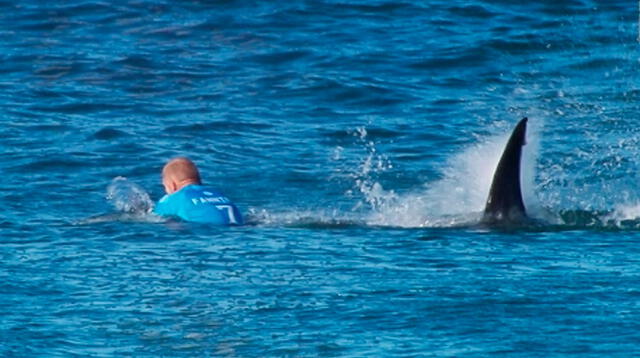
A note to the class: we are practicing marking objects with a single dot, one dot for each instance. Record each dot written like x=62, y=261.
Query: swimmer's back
x=197, y=203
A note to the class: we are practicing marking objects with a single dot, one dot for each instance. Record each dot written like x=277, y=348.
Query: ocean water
x=358, y=138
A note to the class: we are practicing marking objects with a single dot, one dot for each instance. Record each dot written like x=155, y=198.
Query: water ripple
x=343, y=129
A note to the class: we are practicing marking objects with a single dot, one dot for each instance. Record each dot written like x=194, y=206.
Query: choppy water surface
x=359, y=139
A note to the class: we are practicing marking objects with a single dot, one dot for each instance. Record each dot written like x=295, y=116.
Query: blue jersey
x=198, y=203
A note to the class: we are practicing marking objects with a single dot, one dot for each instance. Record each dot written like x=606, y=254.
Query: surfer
x=189, y=200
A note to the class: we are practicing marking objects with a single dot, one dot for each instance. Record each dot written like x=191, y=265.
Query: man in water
x=189, y=200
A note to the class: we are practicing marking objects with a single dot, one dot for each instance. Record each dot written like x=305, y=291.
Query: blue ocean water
x=359, y=139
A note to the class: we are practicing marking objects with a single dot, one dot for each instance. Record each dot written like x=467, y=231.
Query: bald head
x=178, y=173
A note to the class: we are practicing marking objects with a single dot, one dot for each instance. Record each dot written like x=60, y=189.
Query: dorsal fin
x=505, y=203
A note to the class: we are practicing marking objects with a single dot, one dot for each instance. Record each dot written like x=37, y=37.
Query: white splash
x=128, y=197
x=131, y=202
x=301, y=217
x=459, y=197
x=456, y=199
x=623, y=212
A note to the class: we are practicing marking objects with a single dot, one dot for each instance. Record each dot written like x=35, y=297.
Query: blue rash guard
x=201, y=204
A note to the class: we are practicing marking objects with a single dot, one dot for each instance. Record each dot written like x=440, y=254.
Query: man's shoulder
x=201, y=190
x=173, y=199
x=166, y=205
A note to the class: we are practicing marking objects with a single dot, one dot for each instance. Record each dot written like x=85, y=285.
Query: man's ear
x=174, y=186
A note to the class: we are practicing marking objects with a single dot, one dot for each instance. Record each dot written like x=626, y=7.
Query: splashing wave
x=128, y=197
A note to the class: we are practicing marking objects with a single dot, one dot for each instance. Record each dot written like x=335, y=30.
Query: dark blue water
x=359, y=140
